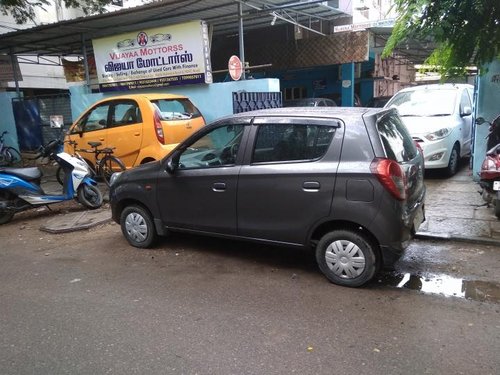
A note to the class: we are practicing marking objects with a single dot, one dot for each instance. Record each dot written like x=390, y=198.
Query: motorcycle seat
x=28, y=174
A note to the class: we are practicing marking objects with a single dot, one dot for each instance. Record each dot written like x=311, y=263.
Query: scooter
x=490, y=168
x=20, y=188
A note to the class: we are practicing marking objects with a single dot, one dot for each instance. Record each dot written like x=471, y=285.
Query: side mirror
x=480, y=121
x=466, y=111
x=171, y=166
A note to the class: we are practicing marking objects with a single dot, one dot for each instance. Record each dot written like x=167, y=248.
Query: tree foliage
x=464, y=32
x=24, y=10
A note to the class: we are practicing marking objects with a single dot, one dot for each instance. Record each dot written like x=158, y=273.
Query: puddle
x=476, y=290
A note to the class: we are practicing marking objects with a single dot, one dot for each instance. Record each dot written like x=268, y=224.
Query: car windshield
x=176, y=109
x=427, y=102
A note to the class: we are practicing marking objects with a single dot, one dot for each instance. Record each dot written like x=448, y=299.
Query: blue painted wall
x=8, y=122
x=488, y=107
x=214, y=100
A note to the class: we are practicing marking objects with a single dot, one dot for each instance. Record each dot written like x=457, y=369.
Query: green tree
x=24, y=10
x=464, y=32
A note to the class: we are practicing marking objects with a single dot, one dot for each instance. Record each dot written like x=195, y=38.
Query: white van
x=439, y=118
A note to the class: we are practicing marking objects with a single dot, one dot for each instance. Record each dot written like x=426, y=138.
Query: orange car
x=141, y=127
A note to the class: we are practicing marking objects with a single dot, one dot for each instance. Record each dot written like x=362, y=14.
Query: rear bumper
x=391, y=251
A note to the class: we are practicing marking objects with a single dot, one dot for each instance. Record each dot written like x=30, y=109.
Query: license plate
x=496, y=185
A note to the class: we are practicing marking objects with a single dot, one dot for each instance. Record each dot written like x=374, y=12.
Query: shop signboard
x=158, y=57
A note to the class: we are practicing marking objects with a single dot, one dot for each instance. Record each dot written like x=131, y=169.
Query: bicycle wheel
x=4, y=158
x=108, y=166
x=13, y=157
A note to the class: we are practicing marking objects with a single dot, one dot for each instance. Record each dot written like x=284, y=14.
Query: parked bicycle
x=9, y=156
x=105, y=162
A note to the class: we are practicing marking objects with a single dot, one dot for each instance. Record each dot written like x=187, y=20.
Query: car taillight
x=158, y=128
x=419, y=148
x=391, y=176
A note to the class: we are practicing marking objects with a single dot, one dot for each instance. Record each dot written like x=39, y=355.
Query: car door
x=466, y=119
x=125, y=130
x=200, y=194
x=287, y=181
x=91, y=127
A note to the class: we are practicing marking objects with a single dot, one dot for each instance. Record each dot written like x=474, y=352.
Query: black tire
x=60, y=175
x=5, y=216
x=90, y=196
x=346, y=258
x=110, y=165
x=138, y=227
x=497, y=205
x=11, y=158
x=17, y=159
x=452, y=167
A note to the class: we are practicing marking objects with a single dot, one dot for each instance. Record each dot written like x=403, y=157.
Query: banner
x=158, y=57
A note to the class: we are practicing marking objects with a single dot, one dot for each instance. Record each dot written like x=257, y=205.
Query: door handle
x=311, y=186
x=137, y=134
x=219, y=187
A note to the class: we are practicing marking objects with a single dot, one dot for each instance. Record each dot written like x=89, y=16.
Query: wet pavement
x=456, y=211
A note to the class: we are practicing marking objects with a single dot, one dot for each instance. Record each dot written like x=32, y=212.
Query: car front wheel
x=453, y=162
x=137, y=226
x=346, y=258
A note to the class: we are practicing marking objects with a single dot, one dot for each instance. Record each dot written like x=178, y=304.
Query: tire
x=11, y=158
x=5, y=216
x=90, y=196
x=60, y=175
x=452, y=167
x=110, y=165
x=17, y=159
x=138, y=227
x=497, y=205
x=346, y=258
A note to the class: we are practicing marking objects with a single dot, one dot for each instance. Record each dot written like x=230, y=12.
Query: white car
x=439, y=118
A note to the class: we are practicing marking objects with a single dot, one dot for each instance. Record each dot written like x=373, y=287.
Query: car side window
x=95, y=119
x=291, y=142
x=125, y=113
x=217, y=148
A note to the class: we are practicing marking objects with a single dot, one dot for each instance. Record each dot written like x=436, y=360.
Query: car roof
x=345, y=113
x=148, y=96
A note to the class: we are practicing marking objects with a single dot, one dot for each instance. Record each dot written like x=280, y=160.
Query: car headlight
x=441, y=133
x=114, y=177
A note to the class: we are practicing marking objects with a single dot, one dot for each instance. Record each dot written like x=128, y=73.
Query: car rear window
x=396, y=139
x=176, y=109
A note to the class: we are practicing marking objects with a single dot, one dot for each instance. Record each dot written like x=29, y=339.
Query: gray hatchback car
x=346, y=182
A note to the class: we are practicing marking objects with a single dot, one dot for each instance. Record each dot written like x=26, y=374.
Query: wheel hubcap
x=345, y=259
x=136, y=227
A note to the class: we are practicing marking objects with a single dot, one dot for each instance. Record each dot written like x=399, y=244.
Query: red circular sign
x=235, y=67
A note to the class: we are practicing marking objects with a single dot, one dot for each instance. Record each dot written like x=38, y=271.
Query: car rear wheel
x=346, y=258
x=137, y=226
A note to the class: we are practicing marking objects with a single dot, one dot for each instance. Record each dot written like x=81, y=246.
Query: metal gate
x=249, y=101
x=41, y=119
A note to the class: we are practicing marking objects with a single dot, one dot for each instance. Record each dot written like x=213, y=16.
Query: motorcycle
x=490, y=168
x=20, y=188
